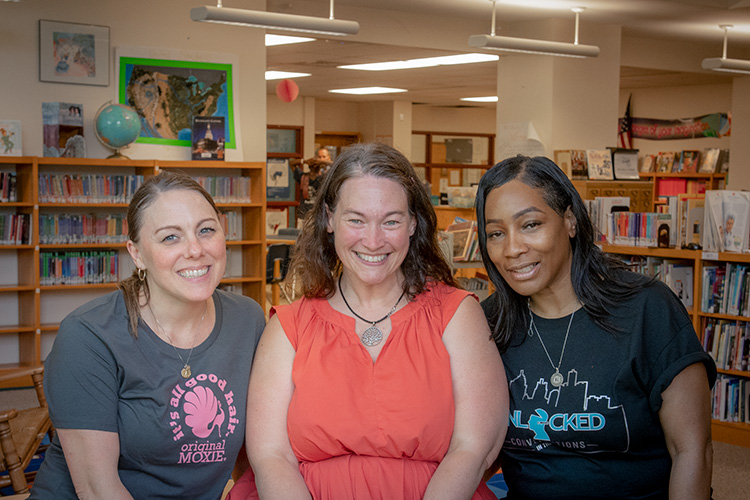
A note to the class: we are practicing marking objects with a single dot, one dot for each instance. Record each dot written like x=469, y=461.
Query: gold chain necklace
x=186, y=372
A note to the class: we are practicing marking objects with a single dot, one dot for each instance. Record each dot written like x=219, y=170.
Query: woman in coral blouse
x=382, y=381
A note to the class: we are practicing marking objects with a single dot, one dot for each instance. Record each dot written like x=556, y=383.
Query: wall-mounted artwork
x=169, y=94
x=73, y=53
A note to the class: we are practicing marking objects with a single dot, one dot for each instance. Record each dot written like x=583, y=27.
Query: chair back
x=280, y=252
x=22, y=431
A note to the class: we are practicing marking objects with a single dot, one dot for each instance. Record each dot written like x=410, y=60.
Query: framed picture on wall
x=73, y=53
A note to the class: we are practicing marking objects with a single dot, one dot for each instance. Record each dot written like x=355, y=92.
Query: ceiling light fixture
x=724, y=64
x=367, y=91
x=274, y=40
x=424, y=62
x=530, y=46
x=489, y=98
x=274, y=20
x=279, y=75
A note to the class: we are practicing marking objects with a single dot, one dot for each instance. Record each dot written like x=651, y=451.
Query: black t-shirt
x=598, y=435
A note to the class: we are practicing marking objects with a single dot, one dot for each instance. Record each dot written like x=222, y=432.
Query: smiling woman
x=608, y=382
x=147, y=385
x=381, y=381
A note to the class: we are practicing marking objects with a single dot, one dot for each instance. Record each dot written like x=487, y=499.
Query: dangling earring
x=141, y=274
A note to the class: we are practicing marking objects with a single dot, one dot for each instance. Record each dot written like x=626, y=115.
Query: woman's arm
x=685, y=416
x=480, y=392
x=92, y=458
x=276, y=468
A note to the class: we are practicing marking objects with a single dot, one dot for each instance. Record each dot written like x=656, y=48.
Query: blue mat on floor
x=497, y=485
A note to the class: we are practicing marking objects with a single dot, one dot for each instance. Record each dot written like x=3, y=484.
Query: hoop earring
x=141, y=274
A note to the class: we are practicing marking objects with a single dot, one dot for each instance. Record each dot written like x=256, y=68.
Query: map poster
x=169, y=94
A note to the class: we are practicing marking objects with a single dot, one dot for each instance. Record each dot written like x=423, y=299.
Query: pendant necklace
x=185, y=372
x=556, y=379
x=372, y=336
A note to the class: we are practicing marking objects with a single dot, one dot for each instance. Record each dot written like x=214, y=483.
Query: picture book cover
x=625, y=163
x=10, y=138
x=599, y=164
x=63, y=130
x=208, y=138
x=689, y=161
x=578, y=166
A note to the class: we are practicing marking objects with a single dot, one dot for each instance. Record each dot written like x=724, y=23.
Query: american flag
x=626, y=128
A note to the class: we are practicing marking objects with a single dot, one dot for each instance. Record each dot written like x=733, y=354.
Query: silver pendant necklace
x=556, y=379
x=372, y=336
x=186, y=372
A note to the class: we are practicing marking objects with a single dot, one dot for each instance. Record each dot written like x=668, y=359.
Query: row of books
x=15, y=229
x=731, y=399
x=675, y=274
x=61, y=229
x=598, y=164
x=64, y=229
x=88, y=188
x=8, y=191
x=728, y=342
x=227, y=189
x=78, y=268
x=726, y=289
x=232, y=224
x=708, y=161
x=636, y=229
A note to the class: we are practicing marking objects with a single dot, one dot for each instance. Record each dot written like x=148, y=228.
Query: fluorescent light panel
x=274, y=20
x=367, y=91
x=489, y=98
x=530, y=46
x=278, y=75
x=425, y=62
x=724, y=64
x=727, y=65
x=273, y=40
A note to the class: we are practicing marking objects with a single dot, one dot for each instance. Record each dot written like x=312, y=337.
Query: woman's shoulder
x=235, y=302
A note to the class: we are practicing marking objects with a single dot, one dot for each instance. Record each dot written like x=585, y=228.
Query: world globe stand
x=117, y=126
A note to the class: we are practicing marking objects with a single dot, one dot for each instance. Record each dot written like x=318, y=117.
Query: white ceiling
x=683, y=20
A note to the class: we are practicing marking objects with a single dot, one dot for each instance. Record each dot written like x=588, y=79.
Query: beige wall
x=163, y=26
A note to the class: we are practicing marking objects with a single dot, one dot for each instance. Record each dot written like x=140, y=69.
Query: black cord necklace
x=372, y=336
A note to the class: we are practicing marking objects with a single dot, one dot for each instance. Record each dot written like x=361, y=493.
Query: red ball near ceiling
x=287, y=90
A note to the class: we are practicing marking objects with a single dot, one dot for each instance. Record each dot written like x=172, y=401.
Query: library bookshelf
x=736, y=433
x=32, y=304
x=674, y=183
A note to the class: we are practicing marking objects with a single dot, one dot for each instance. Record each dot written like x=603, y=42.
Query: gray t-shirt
x=179, y=438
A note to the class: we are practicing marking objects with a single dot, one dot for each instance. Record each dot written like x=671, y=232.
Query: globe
x=117, y=126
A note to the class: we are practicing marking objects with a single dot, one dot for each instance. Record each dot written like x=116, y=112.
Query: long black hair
x=600, y=281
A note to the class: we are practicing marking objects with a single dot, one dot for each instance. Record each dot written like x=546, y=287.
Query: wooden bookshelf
x=727, y=432
x=25, y=302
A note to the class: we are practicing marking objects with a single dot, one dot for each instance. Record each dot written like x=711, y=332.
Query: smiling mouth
x=373, y=259
x=522, y=272
x=194, y=273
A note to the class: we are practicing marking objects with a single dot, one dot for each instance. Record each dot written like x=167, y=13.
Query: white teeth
x=195, y=273
x=525, y=269
x=372, y=258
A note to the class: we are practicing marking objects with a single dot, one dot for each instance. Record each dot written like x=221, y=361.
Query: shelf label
x=710, y=256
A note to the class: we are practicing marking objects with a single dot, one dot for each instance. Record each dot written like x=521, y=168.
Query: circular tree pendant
x=185, y=372
x=372, y=336
x=556, y=379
